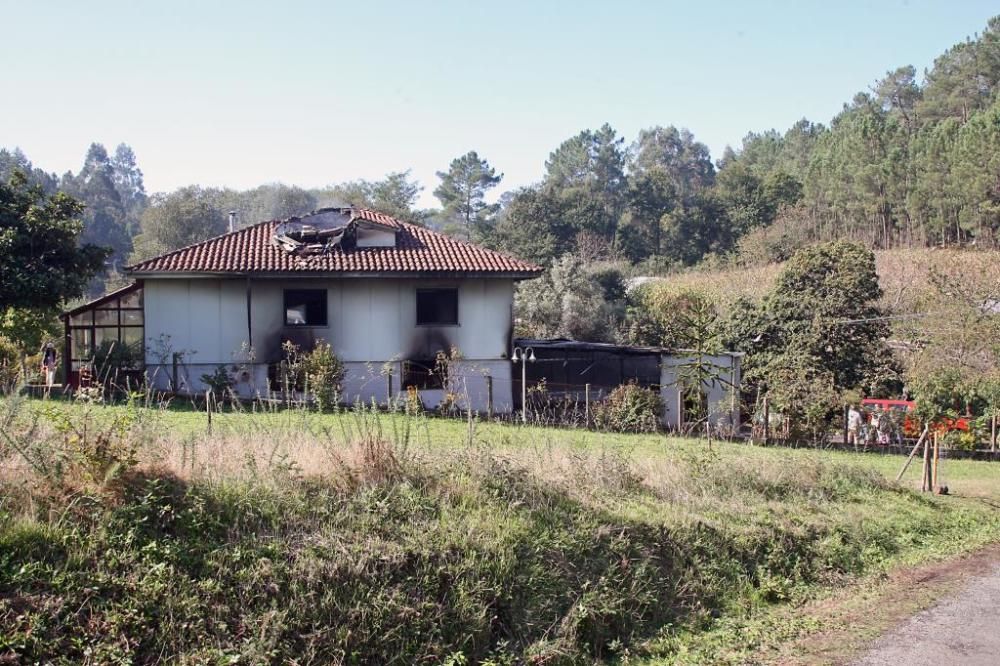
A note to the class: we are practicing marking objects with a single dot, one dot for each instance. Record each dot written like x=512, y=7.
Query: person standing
x=853, y=425
x=49, y=362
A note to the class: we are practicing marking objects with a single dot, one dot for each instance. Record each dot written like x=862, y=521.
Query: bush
x=324, y=373
x=220, y=382
x=630, y=408
x=10, y=366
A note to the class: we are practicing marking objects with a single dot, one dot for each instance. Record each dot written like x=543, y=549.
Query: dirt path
x=938, y=613
x=958, y=630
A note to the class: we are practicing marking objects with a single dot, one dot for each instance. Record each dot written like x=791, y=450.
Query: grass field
x=133, y=535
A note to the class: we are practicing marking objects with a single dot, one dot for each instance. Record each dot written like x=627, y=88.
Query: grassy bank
x=132, y=536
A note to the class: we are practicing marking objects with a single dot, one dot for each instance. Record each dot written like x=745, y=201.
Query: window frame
x=326, y=307
x=429, y=290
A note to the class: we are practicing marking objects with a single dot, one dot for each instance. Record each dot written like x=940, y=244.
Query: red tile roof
x=418, y=250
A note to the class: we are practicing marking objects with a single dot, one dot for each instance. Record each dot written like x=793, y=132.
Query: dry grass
x=903, y=275
x=365, y=534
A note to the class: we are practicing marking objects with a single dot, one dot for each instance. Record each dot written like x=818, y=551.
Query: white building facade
x=387, y=302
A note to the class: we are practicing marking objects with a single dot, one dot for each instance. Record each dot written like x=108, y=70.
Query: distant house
x=385, y=294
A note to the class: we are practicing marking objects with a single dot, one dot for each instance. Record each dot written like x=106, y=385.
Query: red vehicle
x=911, y=424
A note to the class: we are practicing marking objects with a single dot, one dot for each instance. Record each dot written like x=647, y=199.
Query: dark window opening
x=437, y=307
x=305, y=307
x=422, y=374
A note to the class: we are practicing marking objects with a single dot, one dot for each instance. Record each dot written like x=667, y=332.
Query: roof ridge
x=452, y=239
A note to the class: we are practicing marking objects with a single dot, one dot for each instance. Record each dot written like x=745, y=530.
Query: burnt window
x=305, y=307
x=437, y=307
x=422, y=374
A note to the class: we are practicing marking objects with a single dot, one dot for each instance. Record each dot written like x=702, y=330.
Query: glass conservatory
x=106, y=331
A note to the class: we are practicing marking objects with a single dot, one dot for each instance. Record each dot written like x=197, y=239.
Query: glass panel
x=131, y=317
x=82, y=319
x=81, y=343
x=437, y=307
x=133, y=300
x=102, y=335
x=106, y=317
x=305, y=307
x=133, y=336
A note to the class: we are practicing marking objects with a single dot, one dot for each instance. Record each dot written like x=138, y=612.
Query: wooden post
x=173, y=374
x=586, y=405
x=913, y=452
x=993, y=433
x=680, y=409
x=925, y=481
x=767, y=421
x=388, y=401
x=489, y=397
x=934, y=476
x=208, y=409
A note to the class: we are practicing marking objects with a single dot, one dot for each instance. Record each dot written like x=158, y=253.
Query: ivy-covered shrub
x=324, y=374
x=629, y=408
x=10, y=365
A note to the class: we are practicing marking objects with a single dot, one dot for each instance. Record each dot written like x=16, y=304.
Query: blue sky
x=310, y=93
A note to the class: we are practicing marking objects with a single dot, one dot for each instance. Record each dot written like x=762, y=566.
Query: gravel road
x=961, y=629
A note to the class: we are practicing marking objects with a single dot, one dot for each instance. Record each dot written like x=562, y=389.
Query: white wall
x=723, y=399
x=369, y=322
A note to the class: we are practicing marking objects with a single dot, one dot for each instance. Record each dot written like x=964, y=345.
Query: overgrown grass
x=363, y=538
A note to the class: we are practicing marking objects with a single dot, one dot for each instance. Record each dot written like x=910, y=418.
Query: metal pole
x=524, y=388
x=586, y=404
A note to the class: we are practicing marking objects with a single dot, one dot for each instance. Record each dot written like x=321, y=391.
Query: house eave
x=292, y=275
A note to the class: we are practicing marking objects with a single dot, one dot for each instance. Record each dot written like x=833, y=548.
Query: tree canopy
x=42, y=263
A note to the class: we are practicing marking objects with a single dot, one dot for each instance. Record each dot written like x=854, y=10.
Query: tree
x=104, y=219
x=463, y=190
x=178, y=219
x=822, y=314
x=394, y=195
x=651, y=196
x=686, y=162
x=127, y=178
x=15, y=160
x=565, y=302
x=42, y=262
x=587, y=174
x=533, y=225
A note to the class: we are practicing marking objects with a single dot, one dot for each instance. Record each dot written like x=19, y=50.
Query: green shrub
x=324, y=373
x=219, y=381
x=629, y=408
x=10, y=365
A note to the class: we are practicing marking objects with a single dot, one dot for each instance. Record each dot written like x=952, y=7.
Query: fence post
x=993, y=433
x=934, y=471
x=388, y=397
x=767, y=422
x=680, y=409
x=208, y=409
x=489, y=397
x=586, y=405
x=173, y=374
x=925, y=480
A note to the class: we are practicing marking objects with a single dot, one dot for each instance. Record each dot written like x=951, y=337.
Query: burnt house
x=387, y=295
